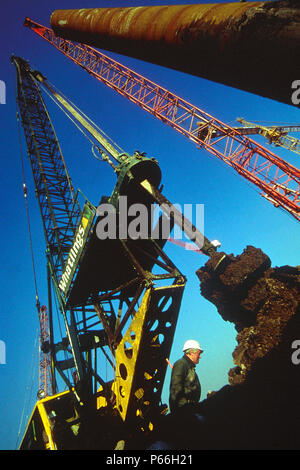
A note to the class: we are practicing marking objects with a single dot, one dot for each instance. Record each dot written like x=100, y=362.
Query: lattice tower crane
x=278, y=180
x=276, y=135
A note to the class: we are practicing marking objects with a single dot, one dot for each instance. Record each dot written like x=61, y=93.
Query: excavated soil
x=259, y=409
x=258, y=299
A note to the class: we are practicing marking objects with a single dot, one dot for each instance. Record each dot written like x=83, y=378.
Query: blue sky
x=235, y=213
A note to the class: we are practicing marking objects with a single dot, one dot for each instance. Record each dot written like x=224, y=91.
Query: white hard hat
x=191, y=343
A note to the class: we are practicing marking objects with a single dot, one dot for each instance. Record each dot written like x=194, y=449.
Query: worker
x=185, y=388
x=185, y=392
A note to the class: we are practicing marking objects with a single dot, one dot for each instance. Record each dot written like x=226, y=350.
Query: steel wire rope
x=96, y=126
x=103, y=159
x=28, y=396
x=104, y=156
x=27, y=212
x=32, y=368
x=71, y=119
x=29, y=230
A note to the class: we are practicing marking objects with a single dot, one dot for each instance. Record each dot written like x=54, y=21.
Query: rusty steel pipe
x=253, y=46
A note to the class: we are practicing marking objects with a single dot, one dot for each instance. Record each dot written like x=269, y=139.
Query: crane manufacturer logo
x=76, y=250
x=2, y=353
x=296, y=94
x=2, y=92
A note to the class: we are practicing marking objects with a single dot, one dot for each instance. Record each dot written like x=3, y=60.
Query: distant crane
x=278, y=180
x=276, y=135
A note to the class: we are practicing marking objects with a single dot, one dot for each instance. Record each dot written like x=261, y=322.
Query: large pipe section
x=253, y=46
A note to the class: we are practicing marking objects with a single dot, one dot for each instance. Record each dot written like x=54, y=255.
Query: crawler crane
x=119, y=298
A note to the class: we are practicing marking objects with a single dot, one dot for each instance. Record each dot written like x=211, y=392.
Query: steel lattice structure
x=278, y=180
x=57, y=200
x=54, y=189
x=277, y=135
x=124, y=294
x=45, y=375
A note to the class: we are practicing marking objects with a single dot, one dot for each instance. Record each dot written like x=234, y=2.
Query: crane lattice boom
x=278, y=180
x=45, y=376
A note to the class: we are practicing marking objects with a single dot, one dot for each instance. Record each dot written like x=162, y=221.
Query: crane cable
x=29, y=388
x=28, y=215
x=96, y=126
x=103, y=156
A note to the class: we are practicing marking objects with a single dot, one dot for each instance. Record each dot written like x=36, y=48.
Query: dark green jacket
x=185, y=387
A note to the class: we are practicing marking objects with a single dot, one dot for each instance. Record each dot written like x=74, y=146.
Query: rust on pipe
x=253, y=46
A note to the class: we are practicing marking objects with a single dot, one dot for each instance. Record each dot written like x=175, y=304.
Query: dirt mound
x=260, y=408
